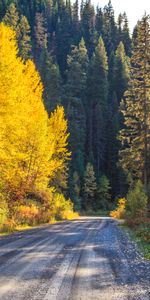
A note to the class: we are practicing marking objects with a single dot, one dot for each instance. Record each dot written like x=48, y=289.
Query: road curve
x=89, y=258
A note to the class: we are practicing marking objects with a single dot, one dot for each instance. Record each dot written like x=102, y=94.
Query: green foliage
x=69, y=44
x=136, y=201
x=103, y=196
x=76, y=191
x=24, y=39
x=135, y=155
x=74, y=97
x=89, y=188
x=97, y=107
x=51, y=79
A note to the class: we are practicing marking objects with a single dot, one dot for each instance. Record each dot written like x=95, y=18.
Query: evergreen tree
x=135, y=157
x=99, y=22
x=89, y=188
x=74, y=104
x=88, y=25
x=40, y=36
x=121, y=71
x=97, y=106
x=109, y=28
x=51, y=78
x=63, y=34
x=76, y=191
x=126, y=35
x=24, y=40
x=103, y=196
x=11, y=18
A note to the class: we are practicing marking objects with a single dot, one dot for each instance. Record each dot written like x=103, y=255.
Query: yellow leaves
x=120, y=211
x=32, y=147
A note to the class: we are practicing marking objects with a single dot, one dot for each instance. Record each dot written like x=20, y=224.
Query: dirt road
x=90, y=258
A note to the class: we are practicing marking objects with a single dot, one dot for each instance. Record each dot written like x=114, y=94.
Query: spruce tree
x=51, y=78
x=121, y=71
x=11, y=18
x=97, y=106
x=135, y=137
x=24, y=40
x=89, y=188
x=103, y=196
x=76, y=191
x=74, y=103
x=40, y=35
x=109, y=28
x=88, y=25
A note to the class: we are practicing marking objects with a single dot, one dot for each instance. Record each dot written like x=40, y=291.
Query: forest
x=74, y=110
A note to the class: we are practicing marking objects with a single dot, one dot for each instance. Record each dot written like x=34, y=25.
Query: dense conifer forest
x=92, y=66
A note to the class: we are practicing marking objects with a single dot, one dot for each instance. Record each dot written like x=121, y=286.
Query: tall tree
x=24, y=39
x=89, y=188
x=51, y=79
x=135, y=157
x=109, y=28
x=11, y=17
x=88, y=25
x=121, y=71
x=40, y=36
x=97, y=106
x=74, y=104
x=33, y=148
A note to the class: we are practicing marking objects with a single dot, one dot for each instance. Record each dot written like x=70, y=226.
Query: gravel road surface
x=89, y=258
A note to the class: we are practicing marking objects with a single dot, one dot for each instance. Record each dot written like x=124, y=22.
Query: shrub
x=61, y=208
x=119, y=213
x=27, y=214
x=136, y=202
x=8, y=226
x=3, y=210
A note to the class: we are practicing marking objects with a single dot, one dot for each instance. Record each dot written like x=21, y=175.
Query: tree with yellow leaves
x=33, y=147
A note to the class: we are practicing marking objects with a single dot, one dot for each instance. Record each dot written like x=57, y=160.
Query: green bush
x=136, y=201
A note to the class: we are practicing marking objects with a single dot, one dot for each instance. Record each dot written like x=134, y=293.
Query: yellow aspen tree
x=33, y=148
x=59, y=126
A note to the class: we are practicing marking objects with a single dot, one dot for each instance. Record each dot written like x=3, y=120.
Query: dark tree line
x=83, y=56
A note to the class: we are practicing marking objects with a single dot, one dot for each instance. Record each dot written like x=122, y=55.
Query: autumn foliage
x=119, y=212
x=33, y=146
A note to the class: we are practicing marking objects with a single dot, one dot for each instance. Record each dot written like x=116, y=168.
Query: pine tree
x=97, y=106
x=63, y=34
x=88, y=25
x=40, y=35
x=11, y=18
x=76, y=191
x=24, y=41
x=89, y=188
x=51, y=79
x=109, y=28
x=121, y=71
x=103, y=196
x=126, y=35
x=74, y=103
x=135, y=136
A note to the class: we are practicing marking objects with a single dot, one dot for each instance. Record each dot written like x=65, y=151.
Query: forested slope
x=83, y=55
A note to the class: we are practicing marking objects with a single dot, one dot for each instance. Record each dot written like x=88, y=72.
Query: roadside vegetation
x=134, y=211
x=74, y=114
x=33, y=146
